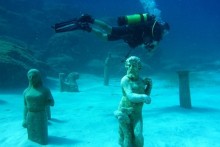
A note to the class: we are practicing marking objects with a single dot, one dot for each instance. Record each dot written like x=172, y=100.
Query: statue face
x=133, y=66
x=34, y=77
x=132, y=70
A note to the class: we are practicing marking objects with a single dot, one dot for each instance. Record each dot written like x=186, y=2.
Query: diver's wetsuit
x=145, y=31
x=133, y=34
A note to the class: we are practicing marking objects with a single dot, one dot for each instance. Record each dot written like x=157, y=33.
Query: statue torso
x=36, y=99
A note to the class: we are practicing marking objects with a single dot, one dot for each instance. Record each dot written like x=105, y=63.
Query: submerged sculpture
x=37, y=100
x=136, y=91
x=69, y=83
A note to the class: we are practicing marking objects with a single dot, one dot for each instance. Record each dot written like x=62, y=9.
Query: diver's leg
x=86, y=18
x=107, y=28
x=100, y=34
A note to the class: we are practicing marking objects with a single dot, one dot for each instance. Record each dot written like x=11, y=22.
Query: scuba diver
x=135, y=30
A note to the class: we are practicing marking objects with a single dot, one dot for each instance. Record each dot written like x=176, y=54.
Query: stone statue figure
x=37, y=100
x=69, y=83
x=135, y=91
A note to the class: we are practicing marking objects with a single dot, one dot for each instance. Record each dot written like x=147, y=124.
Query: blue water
x=194, y=26
x=193, y=43
x=193, y=38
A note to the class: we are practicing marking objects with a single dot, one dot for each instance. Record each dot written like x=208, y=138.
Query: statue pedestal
x=184, y=89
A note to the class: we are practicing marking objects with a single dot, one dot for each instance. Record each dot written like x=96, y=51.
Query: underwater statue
x=69, y=83
x=136, y=91
x=37, y=101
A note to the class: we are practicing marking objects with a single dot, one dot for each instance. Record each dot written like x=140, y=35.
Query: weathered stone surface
x=69, y=83
x=37, y=100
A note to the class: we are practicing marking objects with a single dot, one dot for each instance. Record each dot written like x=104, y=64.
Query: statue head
x=72, y=77
x=133, y=66
x=34, y=78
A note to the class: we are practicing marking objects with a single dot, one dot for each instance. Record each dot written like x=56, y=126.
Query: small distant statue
x=37, y=102
x=69, y=83
x=136, y=91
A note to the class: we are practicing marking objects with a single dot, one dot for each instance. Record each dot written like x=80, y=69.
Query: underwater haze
x=85, y=118
x=192, y=41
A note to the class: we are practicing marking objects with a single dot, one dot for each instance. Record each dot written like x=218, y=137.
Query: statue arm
x=148, y=83
x=133, y=97
x=50, y=98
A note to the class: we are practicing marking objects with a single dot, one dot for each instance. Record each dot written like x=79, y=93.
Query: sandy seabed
x=85, y=119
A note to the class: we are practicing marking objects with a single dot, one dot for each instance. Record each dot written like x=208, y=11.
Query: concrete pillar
x=61, y=79
x=106, y=70
x=184, y=89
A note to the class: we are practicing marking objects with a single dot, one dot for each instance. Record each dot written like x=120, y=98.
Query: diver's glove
x=86, y=18
x=151, y=46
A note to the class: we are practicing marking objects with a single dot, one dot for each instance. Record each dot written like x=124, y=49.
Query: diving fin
x=71, y=25
x=67, y=26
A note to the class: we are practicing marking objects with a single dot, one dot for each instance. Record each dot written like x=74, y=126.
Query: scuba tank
x=132, y=19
